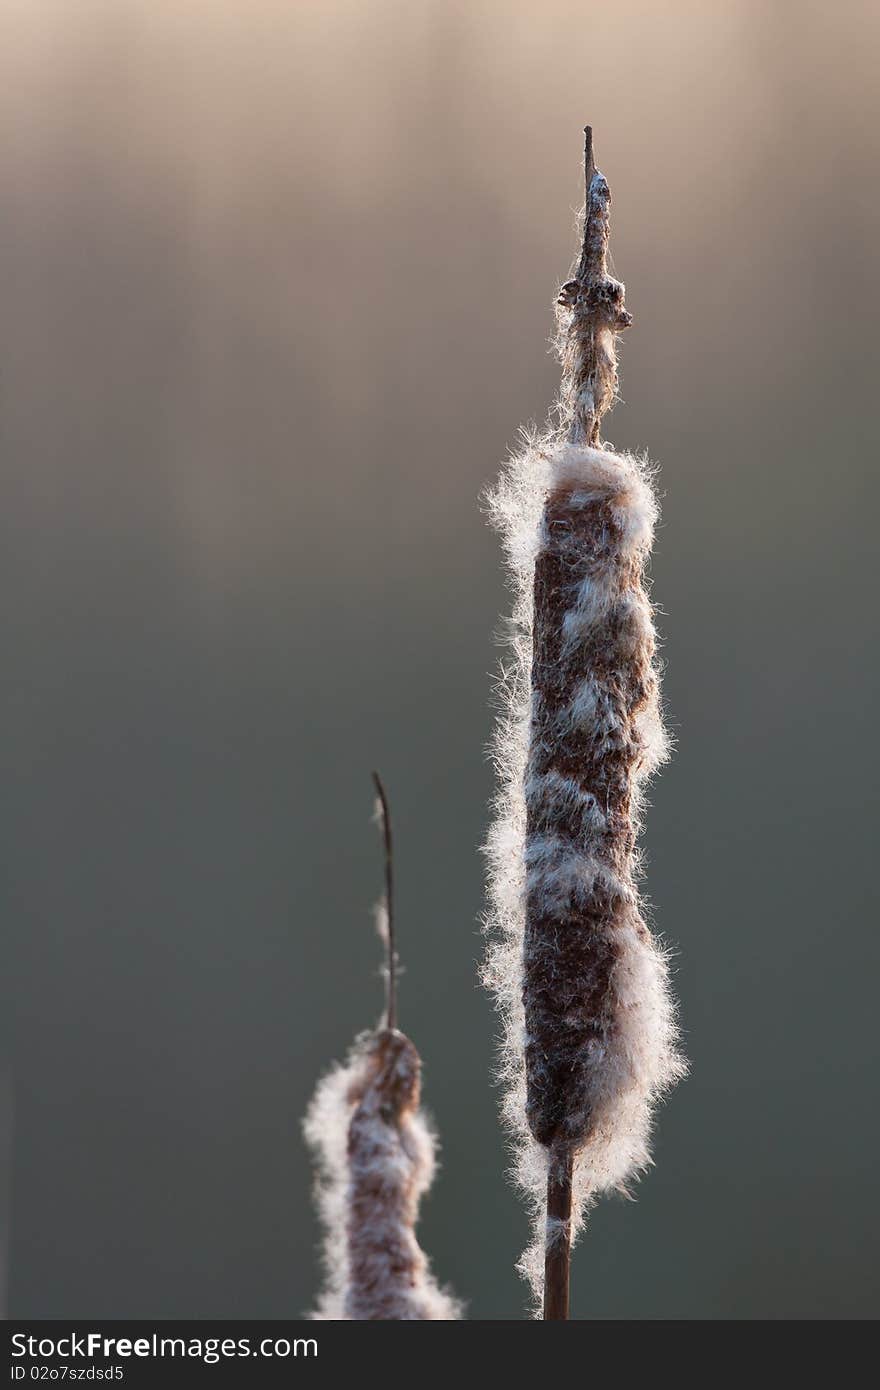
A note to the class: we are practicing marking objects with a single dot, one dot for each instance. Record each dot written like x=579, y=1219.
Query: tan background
x=275, y=279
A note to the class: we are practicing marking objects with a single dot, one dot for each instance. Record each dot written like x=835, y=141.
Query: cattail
x=589, y=1024
x=376, y=1157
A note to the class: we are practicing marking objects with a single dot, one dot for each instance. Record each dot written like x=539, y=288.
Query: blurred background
x=276, y=281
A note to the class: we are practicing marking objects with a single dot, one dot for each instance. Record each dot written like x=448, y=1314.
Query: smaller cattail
x=376, y=1157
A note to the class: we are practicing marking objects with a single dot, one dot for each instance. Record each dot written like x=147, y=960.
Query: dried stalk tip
x=590, y=311
x=384, y=913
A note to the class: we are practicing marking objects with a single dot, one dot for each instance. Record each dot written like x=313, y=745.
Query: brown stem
x=557, y=1258
x=584, y=267
x=390, y=947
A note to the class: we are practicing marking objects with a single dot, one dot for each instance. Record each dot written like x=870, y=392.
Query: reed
x=376, y=1156
x=589, y=1024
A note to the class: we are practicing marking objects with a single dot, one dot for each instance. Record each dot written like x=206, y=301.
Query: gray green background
x=275, y=279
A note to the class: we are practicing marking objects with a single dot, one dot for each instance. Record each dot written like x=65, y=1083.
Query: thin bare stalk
x=557, y=1247
x=390, y=946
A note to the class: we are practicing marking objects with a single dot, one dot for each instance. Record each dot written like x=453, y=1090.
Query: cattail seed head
x=589, y=1038
x=376, y=1157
